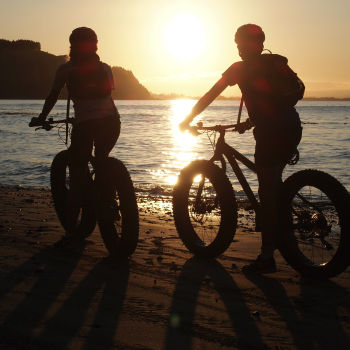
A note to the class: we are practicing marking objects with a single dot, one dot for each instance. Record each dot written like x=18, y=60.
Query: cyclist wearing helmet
x=97, y=121
x=263, y=80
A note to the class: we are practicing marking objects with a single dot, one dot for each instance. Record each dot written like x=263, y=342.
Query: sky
x=183, y=46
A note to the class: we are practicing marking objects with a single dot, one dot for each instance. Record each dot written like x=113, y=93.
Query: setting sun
x=184, y=37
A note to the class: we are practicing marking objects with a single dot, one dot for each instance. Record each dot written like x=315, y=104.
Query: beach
x=161, y=298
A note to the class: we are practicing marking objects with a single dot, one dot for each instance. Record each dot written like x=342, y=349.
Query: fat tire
x=340, y=198
x=227, y=202
x=60, y=191
x=123, y=246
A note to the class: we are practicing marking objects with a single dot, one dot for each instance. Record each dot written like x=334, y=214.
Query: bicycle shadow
x=107, y=282
x=181, y=328
x=47, y=316
x=323, y=300
x=27, y=315
x=312, y=317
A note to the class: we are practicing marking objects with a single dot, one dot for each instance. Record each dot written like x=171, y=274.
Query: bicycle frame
x=232, y=155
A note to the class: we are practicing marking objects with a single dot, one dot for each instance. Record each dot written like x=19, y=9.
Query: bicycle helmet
x=249, y=33
x=82, y=34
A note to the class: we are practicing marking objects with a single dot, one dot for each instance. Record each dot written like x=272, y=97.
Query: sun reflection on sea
x=183, y=143
x=180, y=109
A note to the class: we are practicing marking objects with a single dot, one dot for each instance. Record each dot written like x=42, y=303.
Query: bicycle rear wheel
x=59, y=179
x=205, y=209
x=119, y=220
x=316, y=239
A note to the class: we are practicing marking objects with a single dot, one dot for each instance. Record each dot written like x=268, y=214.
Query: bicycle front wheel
x=316, y=237
x=119, y=220
x=205, y=209
x=59, y=179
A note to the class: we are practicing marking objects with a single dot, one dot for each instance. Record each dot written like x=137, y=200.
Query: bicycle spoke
x=205, y=212
x=316, y=225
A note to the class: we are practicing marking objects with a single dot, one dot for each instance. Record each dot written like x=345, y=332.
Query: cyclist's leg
x=272, y=152
x=270, y=179
x=270, y=182
x=79, y=155
x=106, y=134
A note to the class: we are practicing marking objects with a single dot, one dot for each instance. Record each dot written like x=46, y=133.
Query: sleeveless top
x=89, y=88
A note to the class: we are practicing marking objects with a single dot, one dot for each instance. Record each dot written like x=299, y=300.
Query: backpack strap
x=240, y=111
x=67, y=117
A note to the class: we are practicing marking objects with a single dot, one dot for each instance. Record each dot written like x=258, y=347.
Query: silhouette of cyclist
x=97, y=122
x=270, y=90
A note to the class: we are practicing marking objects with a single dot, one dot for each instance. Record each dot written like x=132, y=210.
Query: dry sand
x=162, y=298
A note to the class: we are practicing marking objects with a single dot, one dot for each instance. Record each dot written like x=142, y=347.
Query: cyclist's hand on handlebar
x=41, y=122
x=184, y=125
x=36, y=121
x=193, y=130
x=243, y=127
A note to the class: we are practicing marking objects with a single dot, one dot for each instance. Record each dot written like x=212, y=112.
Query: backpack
x=286, y=87
x=89, y=81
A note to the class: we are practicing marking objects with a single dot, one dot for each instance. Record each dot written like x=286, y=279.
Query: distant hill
x=127, y=87
x=26, y=72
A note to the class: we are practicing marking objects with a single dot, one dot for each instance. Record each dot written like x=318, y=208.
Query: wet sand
x=162, y=298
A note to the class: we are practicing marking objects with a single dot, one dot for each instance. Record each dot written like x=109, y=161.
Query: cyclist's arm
x=205, y=101
x=51, y=99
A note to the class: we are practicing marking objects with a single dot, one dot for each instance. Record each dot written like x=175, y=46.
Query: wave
x=7, y=132
x=18, y=113
x=154, y=190
x=140, y=115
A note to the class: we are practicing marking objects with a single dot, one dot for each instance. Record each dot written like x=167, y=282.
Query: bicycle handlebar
x=60, y=121
x=240, y=127
x=47, y=124
x=199, y=126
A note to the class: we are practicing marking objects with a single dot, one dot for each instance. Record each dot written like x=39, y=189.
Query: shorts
x=102, y=133
x=276, y=146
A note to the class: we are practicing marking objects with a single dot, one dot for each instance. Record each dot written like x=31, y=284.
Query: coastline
x=162, y=298
x=165, y=97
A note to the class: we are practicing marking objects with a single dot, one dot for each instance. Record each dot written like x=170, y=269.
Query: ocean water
x=154, y=150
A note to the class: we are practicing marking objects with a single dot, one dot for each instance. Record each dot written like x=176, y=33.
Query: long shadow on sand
x=320, y=309
x=311, y=318
x=181, y=328
x=49, y=317
x=20, y=323
x=101, y=293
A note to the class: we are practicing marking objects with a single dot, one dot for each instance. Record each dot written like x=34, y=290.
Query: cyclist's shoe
x=261, y=265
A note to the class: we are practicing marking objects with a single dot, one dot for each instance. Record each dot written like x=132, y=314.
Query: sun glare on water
x=183, y=142
x=184, y=36
x=184, y=146
x=180, y=109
